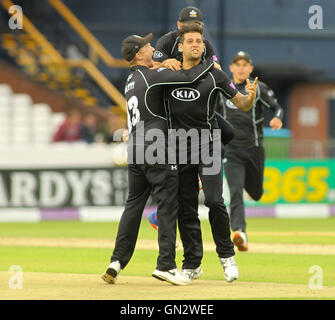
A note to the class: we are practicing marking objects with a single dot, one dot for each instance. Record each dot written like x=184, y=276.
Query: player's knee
x=236, y=194
x=188, y=217
x=213, y=202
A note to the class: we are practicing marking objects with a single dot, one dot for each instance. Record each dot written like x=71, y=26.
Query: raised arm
x=242, y=101
x=245, y=102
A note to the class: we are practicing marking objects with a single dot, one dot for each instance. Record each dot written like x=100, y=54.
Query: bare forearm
x=243, y=102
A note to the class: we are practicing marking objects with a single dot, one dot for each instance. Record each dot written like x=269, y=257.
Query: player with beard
x=144, y=91
x=192, y=107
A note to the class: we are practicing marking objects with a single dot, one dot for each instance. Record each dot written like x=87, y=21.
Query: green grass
x=283, y=225
x=291, y=225
x=292, y=239
x=255, y=267
x=103, y=230
x=61, y=229
x=62, y=260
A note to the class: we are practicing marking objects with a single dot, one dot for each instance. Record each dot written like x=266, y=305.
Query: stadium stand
x=23, y=122
x=66, y=63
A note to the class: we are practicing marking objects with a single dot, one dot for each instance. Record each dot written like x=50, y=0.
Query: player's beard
x=194, y=56
x=195, y=59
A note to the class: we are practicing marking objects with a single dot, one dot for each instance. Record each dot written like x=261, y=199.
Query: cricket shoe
x=173, y=276
x=111, y=273
x=193, y=274
x=230, y=268
x=240, y=240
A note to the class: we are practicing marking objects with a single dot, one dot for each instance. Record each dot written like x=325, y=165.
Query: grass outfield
x=255, y=227
x=255, y=267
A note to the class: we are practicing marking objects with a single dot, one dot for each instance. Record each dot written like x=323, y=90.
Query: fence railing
x=299, y=149
x=55, y=58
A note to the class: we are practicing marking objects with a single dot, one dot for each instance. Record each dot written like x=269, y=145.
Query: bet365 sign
x=299, y=182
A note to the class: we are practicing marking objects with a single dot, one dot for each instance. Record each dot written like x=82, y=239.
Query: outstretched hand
x=252, y=88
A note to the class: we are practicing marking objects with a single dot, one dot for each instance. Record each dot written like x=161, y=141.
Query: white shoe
x=111, y=273
x=230, y=268
x=193, y=274
x=173, y=276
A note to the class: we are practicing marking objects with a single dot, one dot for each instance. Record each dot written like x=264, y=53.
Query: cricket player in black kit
x=245, y=157
x=167, y=55
x=167, y=52
x=144, y=94
x=192, y=106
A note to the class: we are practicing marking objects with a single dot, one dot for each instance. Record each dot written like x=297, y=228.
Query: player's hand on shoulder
x=172, y=64
x=217, y=66
x=156, y=65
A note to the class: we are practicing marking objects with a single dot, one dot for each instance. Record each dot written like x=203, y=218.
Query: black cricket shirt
x=248, y=126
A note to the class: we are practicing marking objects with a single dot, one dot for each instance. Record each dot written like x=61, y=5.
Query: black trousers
x=244, y=169
x=162, y=180
x=188, y=218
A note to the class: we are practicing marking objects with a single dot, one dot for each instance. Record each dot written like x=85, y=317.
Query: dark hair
x=190, y=27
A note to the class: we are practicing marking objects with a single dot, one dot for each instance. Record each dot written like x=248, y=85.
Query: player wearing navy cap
x=245, y=157
x=144, y=92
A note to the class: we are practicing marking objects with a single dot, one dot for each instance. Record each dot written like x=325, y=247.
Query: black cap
x=132, y=44
x=190, y=14
x=242, y=55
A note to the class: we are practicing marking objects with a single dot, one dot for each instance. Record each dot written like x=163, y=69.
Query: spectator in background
x=88, y=128
x=69, y=130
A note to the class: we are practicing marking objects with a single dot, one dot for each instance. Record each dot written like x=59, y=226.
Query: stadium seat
x=41, y=124
x=4, y=136
x=5, y=90
x=42, y=108
x=5, y=111
x=57, y=119
x=20, y=99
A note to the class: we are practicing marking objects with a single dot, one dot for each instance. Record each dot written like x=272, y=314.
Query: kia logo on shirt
x=186, y=94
